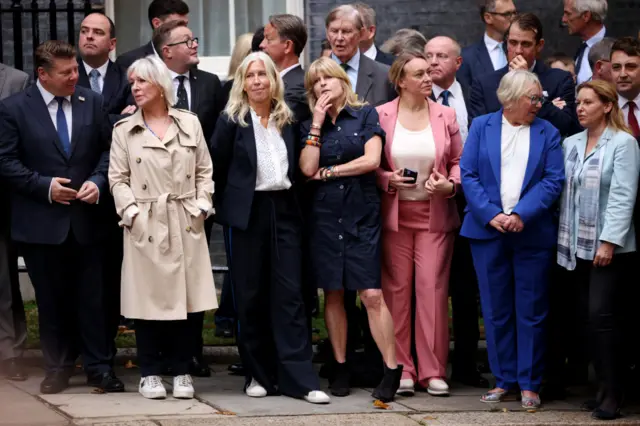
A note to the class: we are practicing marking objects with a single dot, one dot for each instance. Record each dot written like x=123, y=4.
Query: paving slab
x=510, y=418
x=19, y=408
x=317, y=420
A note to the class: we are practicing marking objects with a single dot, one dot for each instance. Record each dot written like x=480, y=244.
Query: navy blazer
x=233, y=152
x=31, y=154
x=476, y=62
x=116, y=92
x=384, y=58
x=556, y=83
x=126, y=59
x=480, y=169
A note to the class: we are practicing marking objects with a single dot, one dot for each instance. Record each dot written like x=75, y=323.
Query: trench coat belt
x=162, y=215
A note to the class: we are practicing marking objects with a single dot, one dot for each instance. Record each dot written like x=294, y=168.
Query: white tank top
x=415, y=150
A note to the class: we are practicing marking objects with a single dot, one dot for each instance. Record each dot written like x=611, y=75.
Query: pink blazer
x=446, y=133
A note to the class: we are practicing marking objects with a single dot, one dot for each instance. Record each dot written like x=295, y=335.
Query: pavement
x=219, y=401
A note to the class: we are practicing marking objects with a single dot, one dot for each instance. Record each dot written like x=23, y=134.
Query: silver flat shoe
x=531, y=403
x=493, y=397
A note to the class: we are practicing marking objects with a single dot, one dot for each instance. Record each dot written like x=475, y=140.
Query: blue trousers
x=513, y=280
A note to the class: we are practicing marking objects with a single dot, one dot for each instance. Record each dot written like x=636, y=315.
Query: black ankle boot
x=340, y=382
x=390, y=383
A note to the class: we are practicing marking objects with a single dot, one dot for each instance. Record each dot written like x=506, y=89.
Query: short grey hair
x=154, y=70
x=345, y=11
x=514, y=85
x=404, y=39
x=367, y=13
x=598, y=8
x=601, y=51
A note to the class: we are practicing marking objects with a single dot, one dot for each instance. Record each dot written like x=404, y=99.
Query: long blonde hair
x=238, y=106
x=240, y=51
x=607, y=94
x=327, y=67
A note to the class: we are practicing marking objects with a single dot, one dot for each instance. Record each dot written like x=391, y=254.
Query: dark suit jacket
x=556, y=83
x=31, y=154
x=233, y=152
x=295, y=95
x=207, y=99
x=373, y=84
x=126, y=59
x=476, y=62
x=384, y=58
x=116, y=92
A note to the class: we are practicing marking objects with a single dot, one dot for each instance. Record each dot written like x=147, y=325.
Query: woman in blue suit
x=512, y=174
x=596, y=237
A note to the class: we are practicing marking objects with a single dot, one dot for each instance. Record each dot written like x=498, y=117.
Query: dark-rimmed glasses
x=189, y=42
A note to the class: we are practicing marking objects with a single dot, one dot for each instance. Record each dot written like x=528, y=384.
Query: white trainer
x=438, y=387
x=151, y=387
x=255, y=390
x=317, y=397
x=407, y=388
x=183, y=387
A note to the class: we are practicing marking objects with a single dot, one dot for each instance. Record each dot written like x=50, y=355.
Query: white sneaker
x=151, y=387
x=438, y=387
x=407, y=388
x=317, y=397
x=183, y=387
x=255, y=390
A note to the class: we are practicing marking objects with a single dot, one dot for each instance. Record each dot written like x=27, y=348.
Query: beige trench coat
x=162, y=192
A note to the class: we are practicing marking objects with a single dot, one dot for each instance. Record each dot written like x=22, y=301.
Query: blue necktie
x=445, y=97
x=61, y=124
x=94, y=81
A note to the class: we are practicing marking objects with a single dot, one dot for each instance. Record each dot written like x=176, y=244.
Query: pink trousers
x=415, y=253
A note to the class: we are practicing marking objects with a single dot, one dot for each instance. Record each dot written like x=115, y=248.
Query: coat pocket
x=137, y=228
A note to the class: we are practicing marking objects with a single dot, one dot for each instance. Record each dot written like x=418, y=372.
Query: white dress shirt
x=176, y=84
x=272, y=156
x=456, y=101
x=52, y=107
x=414, y=150
x=371, y=52
x=496, y=52
x=622, y=102
x=286, y=70
x=515, y=155
x=102, y=70
x=354, y=66
x=585, y=72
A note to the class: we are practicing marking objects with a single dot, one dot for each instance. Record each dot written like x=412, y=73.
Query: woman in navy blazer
x=512, y=174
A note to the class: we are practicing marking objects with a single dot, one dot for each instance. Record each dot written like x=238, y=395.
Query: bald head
x=443, y=54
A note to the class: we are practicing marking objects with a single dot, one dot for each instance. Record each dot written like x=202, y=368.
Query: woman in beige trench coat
x=160, y=176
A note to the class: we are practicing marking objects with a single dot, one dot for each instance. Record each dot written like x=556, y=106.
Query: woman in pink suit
x=419, y=219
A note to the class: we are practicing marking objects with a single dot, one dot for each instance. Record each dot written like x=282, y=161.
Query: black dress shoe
x=107, y=382
x=198, y=368
x=224, y=330
x=236, y=369
x=601, y=414
x=54, y=383
x=13, y=370
x=473, y=379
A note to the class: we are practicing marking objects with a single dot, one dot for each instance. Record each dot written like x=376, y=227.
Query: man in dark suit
x=367, y=45
x=54, y=155
x=201, y=93
x=13, y=325
x=488, y=54
x=160, y=11
x=524, y=43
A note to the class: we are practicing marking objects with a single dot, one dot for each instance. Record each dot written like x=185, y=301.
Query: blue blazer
x=476, y=62
x=480, y=169
x=556, y=83
x=31, y=154
x=618, y=184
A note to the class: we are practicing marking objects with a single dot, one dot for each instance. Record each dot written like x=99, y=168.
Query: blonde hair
x=607, y=94
x=327, y=67
x=238, y=106
x=514, y=85
x=396, y=72
x=153, y=70
x=240, y=51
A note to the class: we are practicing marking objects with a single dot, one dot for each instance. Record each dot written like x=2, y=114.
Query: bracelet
x=316, y=126
x=313, y=140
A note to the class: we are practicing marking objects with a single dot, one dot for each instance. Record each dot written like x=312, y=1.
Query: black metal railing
x=18, y=9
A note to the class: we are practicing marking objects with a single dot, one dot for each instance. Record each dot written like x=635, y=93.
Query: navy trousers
x=513, y=280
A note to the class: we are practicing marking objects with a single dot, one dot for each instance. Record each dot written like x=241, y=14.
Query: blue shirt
x=352, y=71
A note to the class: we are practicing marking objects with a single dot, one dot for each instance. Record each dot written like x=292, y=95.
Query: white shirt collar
x=286, y=70
x=533, y=66
x=455, y=89
x=597, y=37
x=48, y=96
x=491, y=43
x=101, y=69
x=175, y=74
x=622, y=101
x=371, y=52
x=354, y=62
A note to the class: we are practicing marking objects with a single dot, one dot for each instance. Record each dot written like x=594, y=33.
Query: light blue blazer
x=618, y=185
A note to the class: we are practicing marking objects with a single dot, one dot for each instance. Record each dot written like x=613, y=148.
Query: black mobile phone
x=410, y=173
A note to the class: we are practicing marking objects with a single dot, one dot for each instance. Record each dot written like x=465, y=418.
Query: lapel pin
x=81, y=98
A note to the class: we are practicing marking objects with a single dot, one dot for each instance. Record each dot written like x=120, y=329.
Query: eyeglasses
x=507, y=15
x=189, y=42
x=535, y=99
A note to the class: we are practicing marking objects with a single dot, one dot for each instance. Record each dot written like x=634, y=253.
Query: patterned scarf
x=588, y=207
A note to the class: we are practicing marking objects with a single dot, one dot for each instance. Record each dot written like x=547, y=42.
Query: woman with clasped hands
x=419, y=220
x=596, y=236
x=160, y=176
x=512, y=174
